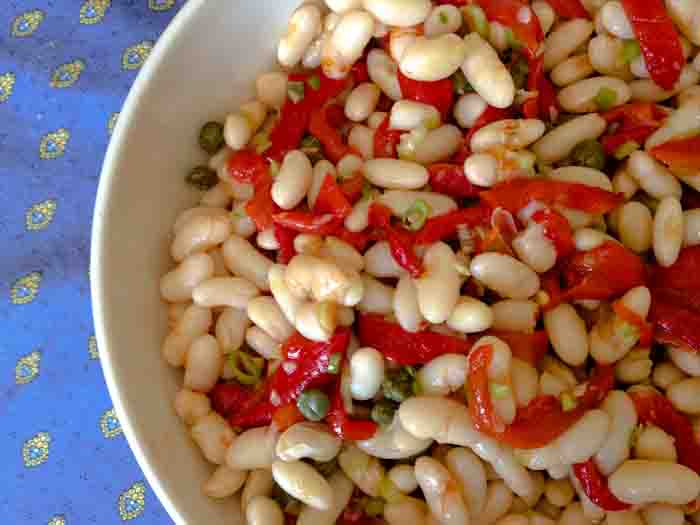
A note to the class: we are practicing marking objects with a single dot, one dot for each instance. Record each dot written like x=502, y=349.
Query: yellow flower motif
x=93, y=11
x=35, y=450
x=112, y=122
x=160, y=5
x=40, y=215
x=134, y=56
x=57, y=520
x=67, y=74
x=26, y=23
x=109, y=424
x=27, y=368
x=7, y=83
x=53, y=145
x=25, y=289
x=132, y=501
x=92, y=348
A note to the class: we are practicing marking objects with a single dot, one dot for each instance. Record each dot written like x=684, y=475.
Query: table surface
x=65, y=68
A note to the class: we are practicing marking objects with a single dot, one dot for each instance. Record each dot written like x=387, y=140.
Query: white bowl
x=202, y=67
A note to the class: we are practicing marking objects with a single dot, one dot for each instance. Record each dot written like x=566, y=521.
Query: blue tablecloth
x=65, y=69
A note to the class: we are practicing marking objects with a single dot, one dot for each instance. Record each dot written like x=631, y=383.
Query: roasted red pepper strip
x=682, y=274
x=285, y=238
x=352, y=187
x=679, y=154
x=639, y=134
x=343, y=425
x=635, y=114
x=658, y=40
x=445, y=226
x=595, y=485
x=673, y=323
x=304, y=222
x=602, y=273
x=483, y=414
x=449, y=179
x=513, y=195
x=400, y=241
x=545, y=104
x=358, y=239
x=331, y=199
x=261, y=208
x=489, y=115
x=527, y=347
x=227, y=397
x=625, y=314
x=328, y=135
x=557, y=229
x=359, y=71
x=517, y=15
x=246, y=166
x=439, y=94
x=653, y=408
x=386, y=140
x=284, y=417
x=569, y=8
x=406, y=348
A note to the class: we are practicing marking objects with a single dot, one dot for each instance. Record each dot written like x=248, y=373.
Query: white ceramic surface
x=203, y=66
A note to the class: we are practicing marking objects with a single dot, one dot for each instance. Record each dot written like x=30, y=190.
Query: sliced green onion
x=460, y=84
x=520, y=71
x=202, y=178
x=334, y=363
x=274, y=168
x=627, y=332
x=590, y=154
x=568, y=402
x=295, y=91
x=416, y=215
x=245, y=368
x=499, y=391
x=315, y=82
x=626, y=150
x=383, y=412
x=409, y=142
x=511, y=39
x=605, y=99
x=389, y=491
x=261, y=142
x=444, y=19
x=368, y=192
x=476, y=20
x=630, y=50
x=374, y=507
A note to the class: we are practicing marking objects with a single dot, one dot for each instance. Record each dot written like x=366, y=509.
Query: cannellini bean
x=654, y=444
x=258, y=483
x=195, y=321
x=362, y=139
x=405, y=307
x=266, y=314
x=241, y=224
x=341, y=6
x=213, y=435
x=470, y=316
x=231, y=326
x=203, y=364
x=691, y=227
x=224, y=291
x=686, y=16
x=615, y=20
x=558, y=143
x=663, y=514
x=525, y=381
x=634, y=224
x=486, y=73
x=383, y=71
x=323, y=280
x=342, y=489
x=689, y=362
x=438, y=145
x=640, y=481
x=623, y=183
x=515, y=315
x=253, y=449
x=575, y=445
x=646, y=90
x=286, y=300
x=366, y=373
x=534, y=249
x=431, y=59
x=564, y=40
x=217, y=258
x=438, y=487
x=468, y=109
x=176, y=311
x=469, y=473
x=408, y=115
x=666, y=374
x=362, y=101
x=573, y=515
x=244, y=260
x=559, y=492
x=346, y=42
x=217, y=196
x=607, y=56
x=685, y=395
x=683, y=121
x=505, y=275
x=623, y=420
x=307, y=440
x=403, y=477
x=341, y=252
x=302, y=481
x=393, y=442
x=262, y=510
x=668, y=231
x=262, y=343
x=625, y=517
x=481, y=169
x=364, y=470
x=545, y=14
x=443, y=375
x=400, y=13
x=396, y=174
x=582, y=175
x=499, y=499
x=438, y=288
x=580, y=96
x=406, y=511
x=304, y=25
x=178, y=284
x=174, y=348
x=380, y=263
x=237, y=131
x=224, y=482
x=443, y=19
x=511, y=133
x=358, y=219
x=567, y=334
x=191, y=406
x=652, y=177
x=571, y=70
x=635, y=367
x=317, y=321
x=293, y=181
x=189, y=216
x=271, y=89
x=375, y=119
x=400, y=201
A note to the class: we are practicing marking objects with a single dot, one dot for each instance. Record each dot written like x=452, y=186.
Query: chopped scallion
x=630, y=50
x=626, y=150
x=416, y=215
x=605, y=99
x=568, y=402
x=274, y=168
x=444, y=19
x=476, y=20
x=245, y=368
x=315, y=82
x=499, y=390
x=334, y=363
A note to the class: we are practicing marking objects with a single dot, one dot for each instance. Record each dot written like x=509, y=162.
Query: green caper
x=519, y=70
x=202, y=178
x=313, y=404
x=211, y=137
x=383, y=412
x=374, y=507
x=399, y=384
x=326, y=468
x=589, y=153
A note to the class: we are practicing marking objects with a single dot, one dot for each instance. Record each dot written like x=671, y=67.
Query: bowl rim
x=115, y=151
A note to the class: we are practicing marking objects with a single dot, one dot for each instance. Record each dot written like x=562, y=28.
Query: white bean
x=396, y=174
x=174, y=348
x=432, y=59
x=293, y=181
x=663, y=514
x=691, y=227
x=346, y=42
x=213, y=435
x=580, y=96
x=224, y=291
x=534, y=249
x=262, y=343
x=266, y=314
x=571, y=70
x=564, y=40
x=362, y=139
x=203, y=364
x=366, y=373
x=400, y=13
x=194, y=321
x=244, y=260
x=224, y=482
x=582, y=175
x=438, y=487
x=307, y=440
x=393, y=442
x=470, y=316
x=406, y=511
x=573, y=515
x=438, y=288
x=401, y=201
x=685, y=395
x=443, y=19
x=559, y=492
x=271, y=89
x=545, y=14
x=525, y=381
x=615, y=20
x=380, y=263
x=304, y=25
x=469, y=473
x=515, y=315
x=486, y=73
x=362, y=101
x=668, y=231
x=253, y=449
x=656, y=445
x=405, y=307
x=684, y=120
x=262, y=510
x=510, y=133
x=383, y=71
x=303, y=482
x=653, y=177
x=567, y=334
x=342, y=489
x=237, y=131
x=623, y=420
x=481, y=169
x=259, y=483
x=323, y=280
x=499, y=499
x=217, y=196
x=558, y=143
x=364, y=470
x=505, y=275
x=666, y=374
x=438, y=145
x=191, y=406
x=408, y=115
x=646, y=90
x=639, y=481
x=687, y=361
x=177, y=285
x=443, y=375
x=468, y=109
x=286, y=300
x=634, y=225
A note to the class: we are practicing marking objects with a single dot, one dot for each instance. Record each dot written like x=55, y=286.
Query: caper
x=313, y=404
x=383, y=412
x=202, y=178
x=211, y=137
x=589, y=153
x=399, y=384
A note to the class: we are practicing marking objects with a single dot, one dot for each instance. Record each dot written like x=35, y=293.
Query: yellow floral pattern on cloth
x=57, y=520
x=109, y=424
x=40, y=215
x=35, y=450
x=7, y=84
x=67, y=74
x=92, y=348
x=160, y=5
x=93, y=11
x=53, y=145
x=27, y=23
x=27, y=368
x=132, y=502
x=26, y=288
x=135, y=56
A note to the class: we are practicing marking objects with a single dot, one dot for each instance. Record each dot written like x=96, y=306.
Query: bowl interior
x=203, y=66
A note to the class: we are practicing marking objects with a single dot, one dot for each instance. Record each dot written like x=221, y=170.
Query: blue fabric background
x=65, y=69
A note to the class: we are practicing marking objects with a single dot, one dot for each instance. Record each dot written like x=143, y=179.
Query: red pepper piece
x=639, y=134
x=386, y=140
x=603, y=273
x=248, y=167
x=551, y=284
x=569, y=8
x=332, y=141
x=226, y=397
x=304, y=222
x=489, y=115
x=343, y=425
x=557, y=229
x=358, y=239
x=285, y=238
x=406, y=348
x=359, y=71
x=545, y=104
x=595, y=485
x=400, y=241
x=515, y=194
x=445, y=226
x=679, y=154
x=635, y=114
x=439, y=94
x=658, y=40
x=449, y=179
x=483, y=414
x=675, y=324
x=631, y=317
x=286, y=416
x=331, y=199
x=657, y=410
x=352, y=187
x=527, y=347
x=683, y=274
x=499, y=238
x=517, y=15
x=261, y=208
